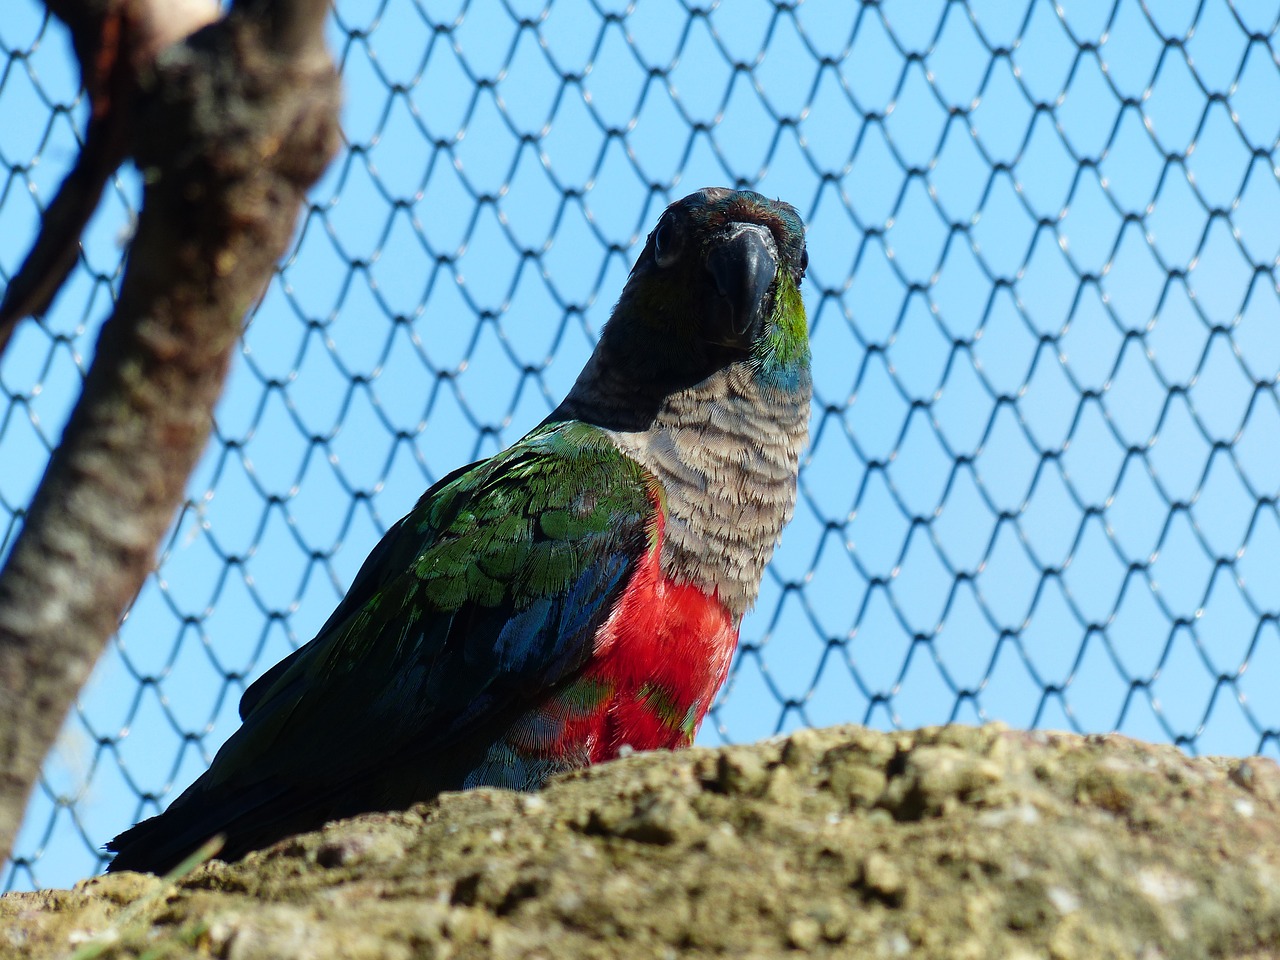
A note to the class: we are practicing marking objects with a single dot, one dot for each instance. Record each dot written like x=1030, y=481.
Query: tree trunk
x=229, y=128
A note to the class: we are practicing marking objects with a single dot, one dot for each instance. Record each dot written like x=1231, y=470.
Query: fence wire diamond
x=1042, y=485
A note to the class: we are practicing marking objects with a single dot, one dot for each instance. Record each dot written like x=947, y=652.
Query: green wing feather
x=487, y=595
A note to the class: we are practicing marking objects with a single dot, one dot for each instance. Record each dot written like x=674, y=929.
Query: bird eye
x=666, y=242
x=804, y=261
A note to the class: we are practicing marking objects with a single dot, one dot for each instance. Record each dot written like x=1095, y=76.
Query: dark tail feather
x=246, y=823
x=151, y=847
x=259, y=814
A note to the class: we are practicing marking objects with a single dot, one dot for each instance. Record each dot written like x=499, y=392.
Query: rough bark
x=228, y=127
x=941, y=843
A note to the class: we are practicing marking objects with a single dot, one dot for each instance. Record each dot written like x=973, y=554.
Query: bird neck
x=726, y=452
x=624, y=386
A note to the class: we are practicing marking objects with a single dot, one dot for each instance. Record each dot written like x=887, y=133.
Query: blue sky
x=1042, y=295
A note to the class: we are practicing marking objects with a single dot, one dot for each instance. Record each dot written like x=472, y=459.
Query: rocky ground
x=950, y=843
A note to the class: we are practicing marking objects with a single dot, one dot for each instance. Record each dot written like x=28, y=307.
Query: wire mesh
x=1044, y=467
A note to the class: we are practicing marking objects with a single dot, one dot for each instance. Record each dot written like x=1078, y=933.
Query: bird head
x=717, y=283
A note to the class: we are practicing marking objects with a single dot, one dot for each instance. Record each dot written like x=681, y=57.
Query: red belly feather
x=664, y=652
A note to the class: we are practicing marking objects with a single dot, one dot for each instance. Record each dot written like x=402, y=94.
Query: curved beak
x=744, y=263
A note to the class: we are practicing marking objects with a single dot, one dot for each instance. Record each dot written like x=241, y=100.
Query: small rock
x=741, y=771
x=344, y=849
x=881, y=878
x=804, y=933
x=659, y=820
x=858, y=785
x=935, y=780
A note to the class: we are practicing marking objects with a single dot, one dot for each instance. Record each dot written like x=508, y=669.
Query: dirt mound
x=949, y=843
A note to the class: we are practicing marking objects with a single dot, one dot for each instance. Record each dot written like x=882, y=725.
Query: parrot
x=567, y=601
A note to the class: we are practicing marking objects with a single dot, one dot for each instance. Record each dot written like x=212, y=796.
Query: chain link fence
x=1045, y=459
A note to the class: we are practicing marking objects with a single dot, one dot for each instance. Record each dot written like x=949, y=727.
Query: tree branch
x=114, y=40
x=228, y=127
